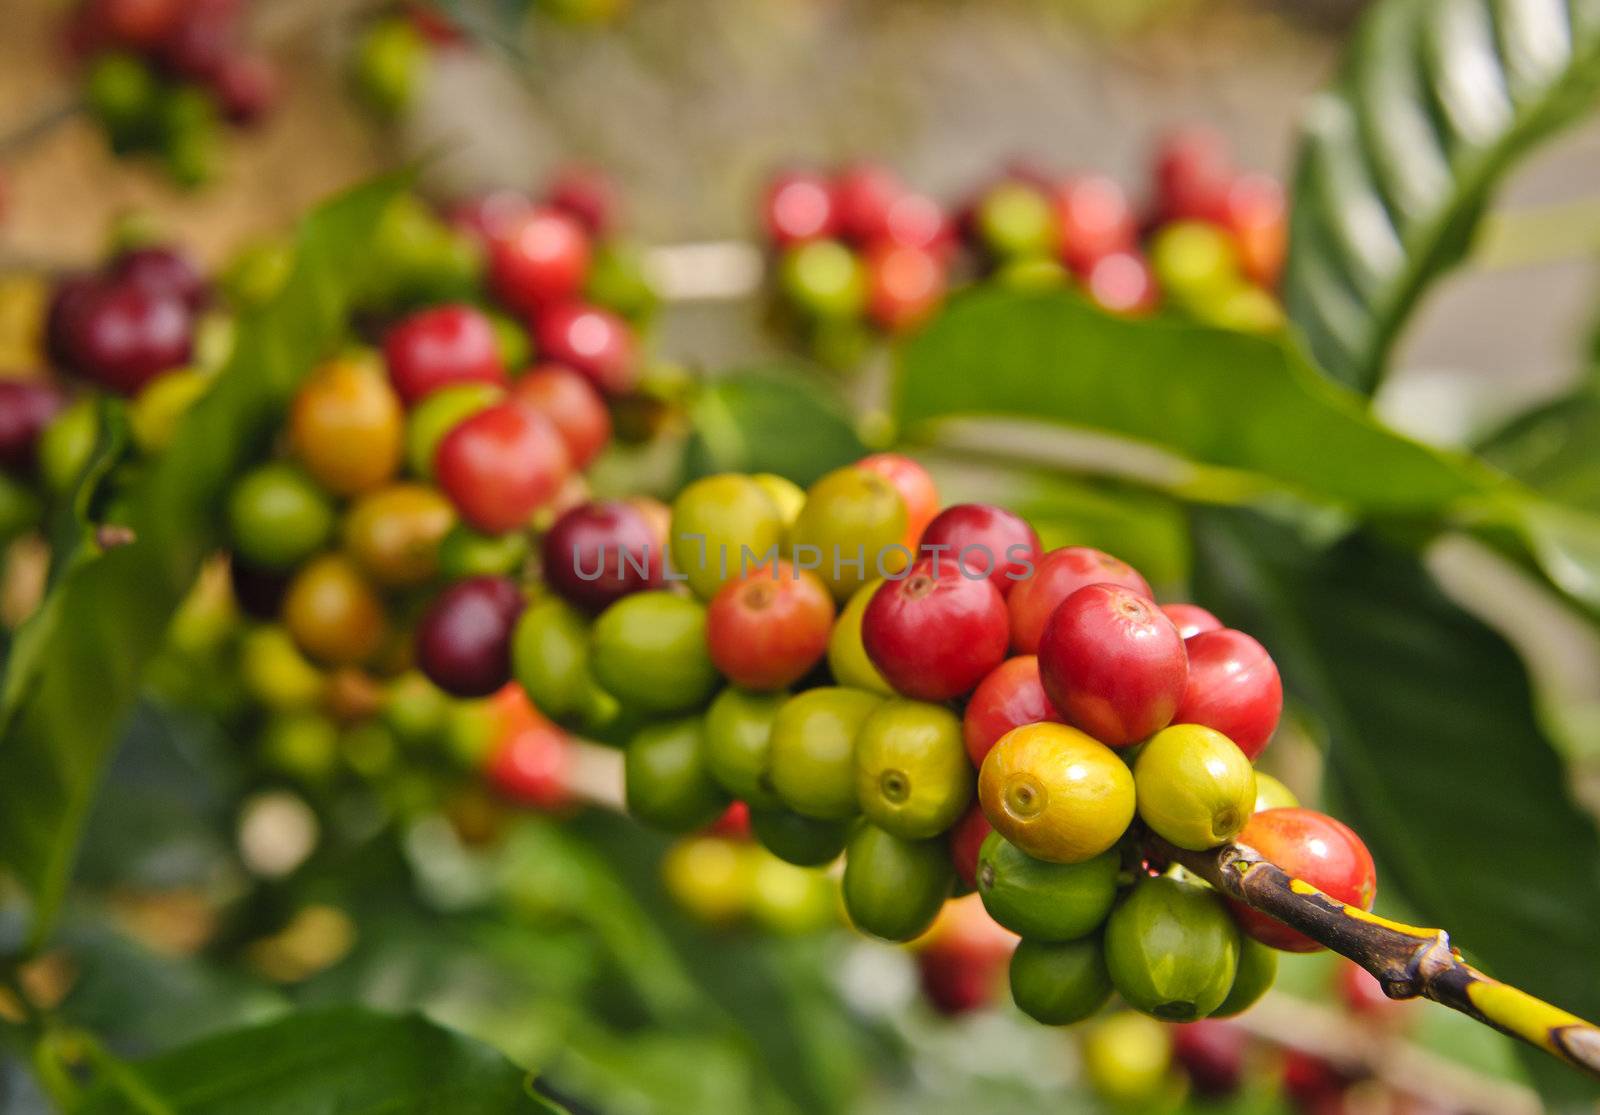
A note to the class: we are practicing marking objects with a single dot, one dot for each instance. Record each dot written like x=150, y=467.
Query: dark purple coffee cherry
x=464, y=639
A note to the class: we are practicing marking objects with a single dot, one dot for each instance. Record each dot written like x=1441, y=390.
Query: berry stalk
x=1409, y=961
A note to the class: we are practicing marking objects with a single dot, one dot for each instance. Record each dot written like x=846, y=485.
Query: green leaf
x=1247, y=417
x=340, y=1061
x=1435, y=103
x=1435, y=749
x=1552, y=449
x=770, y=420
x=75, y=668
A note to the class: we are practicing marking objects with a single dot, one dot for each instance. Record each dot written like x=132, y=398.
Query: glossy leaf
x=1436, y=101
x=1435, y=750
x=74, y=671
x=1552, y=449
x=343, y=1060
x=771, y=420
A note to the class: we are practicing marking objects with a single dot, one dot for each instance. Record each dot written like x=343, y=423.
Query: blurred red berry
x=588, y=196
x=440, y=347
x=590, y=340
x=538, y=258
x=799, y=207
x=531, y=766
x=1095, y=220
x=570, y=402
x=1123, y=283
x=863, y=195
x=904, y=286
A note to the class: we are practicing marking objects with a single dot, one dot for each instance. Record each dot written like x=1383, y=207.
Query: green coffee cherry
x=719, y=522
x=1194, y=261
x=1257, y=970
x=1045, y=901
x=465, y=553
x=617, y=281
x=894, y=888
x=665, y=780
x=276, y=673
x=1273, y=794
x=550, y=658
x=1172, y=949
x=1059, y=983
x=738, y=733
x=851, y=522
x=66, y=445
x=1194, y=787
x=1015, y=221
x=123, y=94
x=1128, y=1060
x=303, y=745
x=913, y=777
x=415, y=709
x=802, y=841
x=278, y=516
x=649, y=651
x=824, y=279
x=811, y=758
x=789, y=899
x=847, y=657
x=389, y=64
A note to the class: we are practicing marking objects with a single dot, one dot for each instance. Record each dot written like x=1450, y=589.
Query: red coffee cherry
x=963, y=958
x=122, y=336
x=1192, y=174
x=586, y=195
x=1212, y=1053
x=1123, y=283
x=1363, y=995
x=918, y=221
x=162, y=271
x=1095, y=219
x=247, y=87
x=531, y=765
x=500, y=465
x=597, y=553
x=488, y=216
x=1113, y=665
x=203, y=36
x=799, y=207
x=1315, y=849
x=904, y=285
x=440, y=347
x=538, y=258
x=863, y=195
x=464, y=638
x=1257, y=213
x=1011, y=696
x=1233, y=687
x=966, y=840
x=978, y=537
x=572, y=405
x=589, y=340
x=917, y=490
x=1056, y=576
x=26, y=407
x=768, y=629
x=933, y=635
x=1191, y=619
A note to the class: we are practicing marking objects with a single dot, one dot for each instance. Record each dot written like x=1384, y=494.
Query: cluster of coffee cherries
x=933, y=696
x=164, y=76
x=858, y=251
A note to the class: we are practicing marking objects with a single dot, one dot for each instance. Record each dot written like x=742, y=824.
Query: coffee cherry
x=1272, y=794
x=824, y=280
x=538, y=258
x=1059, y=983
x=589, y=340
x=26, y=408
x=1212, y=1055
x=277, y=517
x=893, y=887
x=1192, y=173
x=709, y=878
x=501, y=465
x=904, y=286
x=1015, y=221
x=1257, y=971
x=650, y=652
x=963, y=958
x=1095, y=219
x=738, y=735
x=247, y=86
x=1045, y=901
x=1234, y=687
x=787, y=496
x=550, y=659
x=333, y=613
x=1009, y=697
x=597, y=553
x=918, y=221
x=723, y=526
x=797, y=839
x=847, y=657
x=1172, y=950
x=531, y=765
x=1056, y=576
x=966, y=843
x=162, y=271
x=466, y=553
x=1112, y=664
x=1257, y=213
x=1191, y=619
x=588, y=196
x=917, y=490
x=982, y=540
x=768, y=629
x=665, y=781
x=935, y=635
x=440, y=347
x=464, y=638
x=799, y=207
x=1055, y=793
x=863, y=195
x=1127, y=1058
x=1364, y=997
x=811, y=756
x=394, y=533
x=122, y=335
x=1123, y=283
x=912, y=775
x=850, y=530
x=1195, y=788
x=345, y=426
x=1316, y=849
x=572, y=406
x=1195, y=262
x=434, y=417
